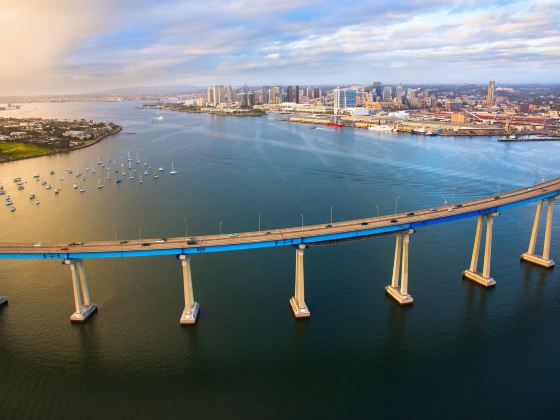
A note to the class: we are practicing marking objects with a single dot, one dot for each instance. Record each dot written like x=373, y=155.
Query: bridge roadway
x=312, y=234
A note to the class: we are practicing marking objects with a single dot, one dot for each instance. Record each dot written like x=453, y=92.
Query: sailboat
x=82, y=189
x=130, y=174
x=129, y=159
x=140, y=181
x=98, y=160
x=137, y=160
x=173, y=171
x=99, y=184
x=156, y=176
x=108, y=174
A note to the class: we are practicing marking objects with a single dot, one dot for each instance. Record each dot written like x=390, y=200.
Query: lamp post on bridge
x=140, y=232
x=377, y=210
x=302, y=222
x=186, y=229
x=444, y=200
x=220, y=223
x=396, y=204
x=331, y=214
x=259, y=221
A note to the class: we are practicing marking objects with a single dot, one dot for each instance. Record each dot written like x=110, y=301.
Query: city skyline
x=92, y=47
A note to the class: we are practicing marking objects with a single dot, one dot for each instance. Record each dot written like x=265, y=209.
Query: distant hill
x=147, y=90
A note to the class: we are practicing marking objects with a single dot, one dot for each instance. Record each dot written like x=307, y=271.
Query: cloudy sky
x=73, y=46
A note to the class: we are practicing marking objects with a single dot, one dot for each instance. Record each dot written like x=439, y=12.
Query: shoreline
x=58, y=152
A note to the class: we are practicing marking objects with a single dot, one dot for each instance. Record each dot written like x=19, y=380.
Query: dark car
x=192, y=241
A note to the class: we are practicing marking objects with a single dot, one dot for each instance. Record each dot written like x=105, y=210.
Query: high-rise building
x=251, y=100
x=387, y=93
x=490, y=94
x=377, y=87
x=229, y=94
x=266, y=94
x=219, y=94
x=293, y=94
x=211, y=96
x=344, y=98
x=242, y=99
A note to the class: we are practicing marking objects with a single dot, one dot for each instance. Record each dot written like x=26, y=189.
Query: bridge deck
x=288, y=236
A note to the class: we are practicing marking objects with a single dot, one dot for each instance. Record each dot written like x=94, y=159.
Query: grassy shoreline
x=56, y=152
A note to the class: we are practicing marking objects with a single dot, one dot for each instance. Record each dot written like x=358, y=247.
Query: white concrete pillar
x=404, y=272
x=297, y=302
x=397, y=261
x=83, y=306
x=76, y=286
x=400, y=269
x=548, y=229
x=476, y=246
x=472, y=273
x=190, y=311
x=488, y=246
x=535, y=230
x=530, y=256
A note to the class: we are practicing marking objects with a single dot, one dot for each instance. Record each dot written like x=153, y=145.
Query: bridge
x=400, y=225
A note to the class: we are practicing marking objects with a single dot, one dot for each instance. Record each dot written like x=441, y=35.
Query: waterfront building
x=210, y=96
x=293, y=94
x=242, y=99
x=458, y=117
x=490, y=94
x=251, y=99
x=219, y=94
x=276, y=95
x=343, y=98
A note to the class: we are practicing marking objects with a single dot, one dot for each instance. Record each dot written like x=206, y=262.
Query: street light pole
x=140, y=232
x=377, y=210
x=396, y=204
x=220, y=227
x=259, y=221
x=186, y=230
x=331, y=214
x=302, y=222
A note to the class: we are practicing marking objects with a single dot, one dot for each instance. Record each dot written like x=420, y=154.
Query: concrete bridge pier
x=397, y=291
x=190, y=312
x=297, y=302
x=544, y=259
x=82, y=301
x=3, y=301
x=483, y=278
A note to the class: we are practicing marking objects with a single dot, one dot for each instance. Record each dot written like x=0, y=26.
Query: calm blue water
x=460, y=351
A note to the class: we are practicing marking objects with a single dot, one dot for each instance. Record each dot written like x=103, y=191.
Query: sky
x=79, y=46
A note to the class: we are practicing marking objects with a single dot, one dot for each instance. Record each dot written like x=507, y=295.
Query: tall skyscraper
x=490, y=94
x=266, y=94
x=229, y=93
x=293, y=94
x=211, y=96
x=219, y=94
x=344, y=98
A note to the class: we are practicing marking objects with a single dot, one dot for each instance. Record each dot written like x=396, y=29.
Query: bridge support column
x=400, y=270
x=3, y=301
x=483, y=278
x=84, y=307
x=544, y=259
x=190, y=312
x=297, y=302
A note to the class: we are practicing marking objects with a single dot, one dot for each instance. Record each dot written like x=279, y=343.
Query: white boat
x=13, y=209
x=129, y=159
x=98, y=160
x=75, y=186
x=48, y=187
x=140, y=180
x=37, y=202
x=36, y=176
x=82, y=189
x=51, y=172
x=156, y=176
x=137, y=160
x=173, y=171
x=99, y=184
x=158, y=118
x=31, y=196
x=130, y=175
x=56, y=190
x=62, y=179
x=380, y=128
x=161, y=169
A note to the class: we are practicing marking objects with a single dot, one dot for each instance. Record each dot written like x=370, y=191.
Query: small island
x=224, y=111
x=23, y=138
